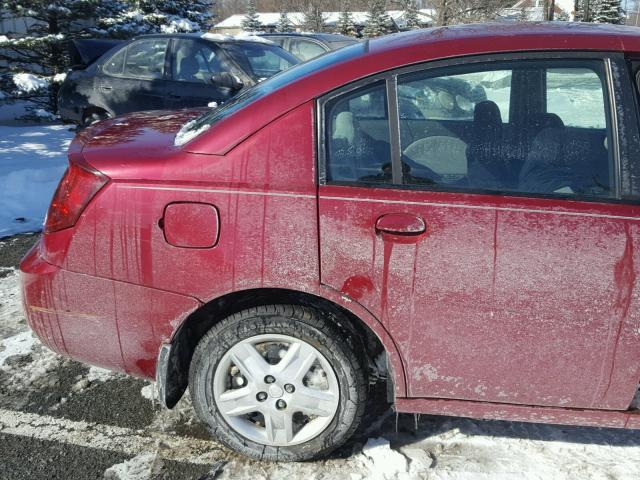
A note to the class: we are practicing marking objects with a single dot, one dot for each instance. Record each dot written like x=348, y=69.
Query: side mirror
x=227, y=80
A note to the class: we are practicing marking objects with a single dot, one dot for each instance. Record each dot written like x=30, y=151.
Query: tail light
x=76, y=189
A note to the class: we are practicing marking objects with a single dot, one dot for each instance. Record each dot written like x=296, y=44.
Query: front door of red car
x=474, y=210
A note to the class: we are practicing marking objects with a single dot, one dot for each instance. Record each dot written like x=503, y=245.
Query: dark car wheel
x=93, y=116
x=278, y=382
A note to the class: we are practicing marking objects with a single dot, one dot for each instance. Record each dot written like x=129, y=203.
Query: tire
x=93, y=116
x=299, y=335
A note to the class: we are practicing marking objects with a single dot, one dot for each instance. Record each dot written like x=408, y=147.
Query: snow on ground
x=431, y=448
x=149, y=391
x=141, y=467
x=20, y=344
x=32, y=160
x=11, y=318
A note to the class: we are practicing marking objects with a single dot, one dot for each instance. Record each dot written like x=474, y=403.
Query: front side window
x=535, y=127
x=358, y=143
x=197, y=62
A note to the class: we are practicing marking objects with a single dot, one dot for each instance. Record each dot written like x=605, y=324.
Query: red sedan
x=454, y=209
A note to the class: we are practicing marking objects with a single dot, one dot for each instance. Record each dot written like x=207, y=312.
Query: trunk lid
x=140, y=137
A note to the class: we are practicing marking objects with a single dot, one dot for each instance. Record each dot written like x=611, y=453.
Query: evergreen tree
x=314, y=18
x=346, y=25
x=284, y=23
x=378, y=20
x=411, y=13
x=608, y=11
x=251, y=21
x=127, y=18
x=584, y=10
x=34, y=63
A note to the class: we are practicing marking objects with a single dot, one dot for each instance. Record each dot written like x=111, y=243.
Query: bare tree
x=549, y=10
x=449, y=12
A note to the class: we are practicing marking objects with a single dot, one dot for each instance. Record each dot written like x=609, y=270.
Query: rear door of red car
x=478, y=210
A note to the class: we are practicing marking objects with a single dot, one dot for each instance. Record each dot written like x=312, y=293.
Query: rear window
x=195, y=127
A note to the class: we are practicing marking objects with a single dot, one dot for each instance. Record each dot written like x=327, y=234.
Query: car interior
x=196, y=62
x=534, y=127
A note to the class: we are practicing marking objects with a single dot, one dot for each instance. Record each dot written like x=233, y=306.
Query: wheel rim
x=276, y=390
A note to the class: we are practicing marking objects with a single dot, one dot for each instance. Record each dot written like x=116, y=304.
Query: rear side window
x=146, y=58
x=115, y=65
x=141, y=59
x=527, y=127
x=358, y=143
x=304, y=49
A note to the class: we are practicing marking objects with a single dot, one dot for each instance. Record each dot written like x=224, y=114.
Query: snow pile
x=249, y=37
x=97, y=374
x=179, y=24
x=43, y=114
x=93, y=376
x=149, y=392
x=187, y=132
x=20, y=344
x=40, y=367
x=24, y=41
x=216, y=37
x=141, y=467
x=59, y=77
x=32, y=160
x=12, y=319
x=28, y=82
x=382, y=462
x=252, y=38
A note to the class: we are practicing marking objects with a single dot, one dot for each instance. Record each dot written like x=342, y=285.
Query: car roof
x=351, y=63
x=325, y=37
x=207, y=36
x=521, y=35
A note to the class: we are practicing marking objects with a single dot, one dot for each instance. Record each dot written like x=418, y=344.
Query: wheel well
x=93, y=109
x=173, y=370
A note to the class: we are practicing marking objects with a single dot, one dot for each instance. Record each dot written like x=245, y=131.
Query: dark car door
x=133, y=78
x=193, y=64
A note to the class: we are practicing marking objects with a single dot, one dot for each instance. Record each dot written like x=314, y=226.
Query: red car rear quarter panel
x=120, y=331
x=264, y=191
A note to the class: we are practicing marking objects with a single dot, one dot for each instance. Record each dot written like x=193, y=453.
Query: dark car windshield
x=260, y=60
x=262, y=89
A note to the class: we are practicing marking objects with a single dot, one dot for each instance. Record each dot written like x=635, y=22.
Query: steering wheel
x=412, y=173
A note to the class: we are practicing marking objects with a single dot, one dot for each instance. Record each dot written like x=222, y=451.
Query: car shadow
x=403, y=429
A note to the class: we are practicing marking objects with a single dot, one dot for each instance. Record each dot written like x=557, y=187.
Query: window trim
x=608, y=59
